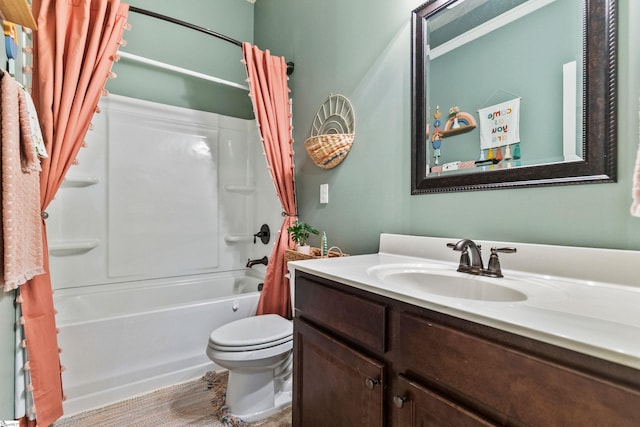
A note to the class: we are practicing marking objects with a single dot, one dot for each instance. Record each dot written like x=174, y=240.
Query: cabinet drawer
x=510, y=385
x=357, y=319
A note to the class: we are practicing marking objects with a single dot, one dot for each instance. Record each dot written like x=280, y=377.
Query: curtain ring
x=44, y=215
x=288, y=214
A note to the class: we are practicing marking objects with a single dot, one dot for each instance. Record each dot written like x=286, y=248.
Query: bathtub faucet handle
x=264, y=234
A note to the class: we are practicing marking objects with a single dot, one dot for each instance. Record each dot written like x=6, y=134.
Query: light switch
x=324, y=193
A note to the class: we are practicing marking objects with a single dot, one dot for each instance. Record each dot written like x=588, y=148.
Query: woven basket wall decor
x=328, y=151
x=332, y=132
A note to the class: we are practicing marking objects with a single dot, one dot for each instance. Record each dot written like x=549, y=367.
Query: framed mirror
x=513, y=93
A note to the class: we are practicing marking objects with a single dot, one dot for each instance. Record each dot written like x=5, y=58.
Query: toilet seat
x=252, y=333
x=257, y=352
x=218, y=347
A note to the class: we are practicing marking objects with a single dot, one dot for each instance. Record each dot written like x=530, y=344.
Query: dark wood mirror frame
x=599, y=117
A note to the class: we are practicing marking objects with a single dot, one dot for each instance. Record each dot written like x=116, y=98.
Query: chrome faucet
x=251, y=262
x=475, y=265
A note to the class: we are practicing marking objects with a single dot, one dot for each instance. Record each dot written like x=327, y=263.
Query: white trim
x=489, y=26
x=569, y=120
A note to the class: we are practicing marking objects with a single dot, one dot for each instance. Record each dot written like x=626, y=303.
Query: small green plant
x=300, y=232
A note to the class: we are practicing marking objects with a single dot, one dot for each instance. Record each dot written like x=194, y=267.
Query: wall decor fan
x=332, y=132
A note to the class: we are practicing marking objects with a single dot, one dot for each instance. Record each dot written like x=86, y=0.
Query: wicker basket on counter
x=316, y=253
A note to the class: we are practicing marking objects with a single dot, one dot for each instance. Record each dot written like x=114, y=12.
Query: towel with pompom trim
x=22, y=248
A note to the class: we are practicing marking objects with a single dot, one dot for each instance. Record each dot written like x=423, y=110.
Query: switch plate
x=324, y=193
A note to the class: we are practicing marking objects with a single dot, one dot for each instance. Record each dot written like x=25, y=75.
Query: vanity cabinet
x=336, y=385
x=361, y=359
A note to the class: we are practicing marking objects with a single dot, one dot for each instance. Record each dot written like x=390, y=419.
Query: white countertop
x=599, y=318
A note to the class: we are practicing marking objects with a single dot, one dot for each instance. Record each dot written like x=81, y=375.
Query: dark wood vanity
x=362, y=359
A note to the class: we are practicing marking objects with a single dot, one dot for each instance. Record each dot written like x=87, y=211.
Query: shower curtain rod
x=290, y=65
x=180, y=70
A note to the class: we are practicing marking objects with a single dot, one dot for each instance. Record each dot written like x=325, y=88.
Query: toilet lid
x=252, y=333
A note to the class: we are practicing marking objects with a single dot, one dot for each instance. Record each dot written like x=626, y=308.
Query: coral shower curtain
x=74, y=49
x=271, y=105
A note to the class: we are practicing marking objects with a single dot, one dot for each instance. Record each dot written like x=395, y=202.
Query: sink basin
x=442, y=281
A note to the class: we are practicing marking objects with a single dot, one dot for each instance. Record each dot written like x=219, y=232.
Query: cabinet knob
x=371, y=383
x=399, y=401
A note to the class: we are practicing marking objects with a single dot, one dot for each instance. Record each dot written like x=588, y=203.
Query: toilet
x=257, y=352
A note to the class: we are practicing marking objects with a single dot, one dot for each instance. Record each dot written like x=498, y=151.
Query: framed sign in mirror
x=513, y=93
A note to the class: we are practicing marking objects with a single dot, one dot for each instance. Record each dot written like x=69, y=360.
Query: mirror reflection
x=500, y=87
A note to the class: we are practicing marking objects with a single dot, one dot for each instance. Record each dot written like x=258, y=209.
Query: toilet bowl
x=257, y=352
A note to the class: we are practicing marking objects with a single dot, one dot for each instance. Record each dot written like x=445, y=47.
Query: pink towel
x=21, y=247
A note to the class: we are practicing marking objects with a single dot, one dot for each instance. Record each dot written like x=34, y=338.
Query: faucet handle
x=493, y=267
x=264, y=234
x=505, y=250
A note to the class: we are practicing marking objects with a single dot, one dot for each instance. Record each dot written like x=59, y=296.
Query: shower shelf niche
x=242, y=189
x=72, y=247
x=80, y=181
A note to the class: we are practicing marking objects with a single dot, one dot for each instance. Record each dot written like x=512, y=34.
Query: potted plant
x=299, y=233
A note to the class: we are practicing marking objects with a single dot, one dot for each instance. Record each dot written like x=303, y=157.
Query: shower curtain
x=270, y=96
x=74, y=49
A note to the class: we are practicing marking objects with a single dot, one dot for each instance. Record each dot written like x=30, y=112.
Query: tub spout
x=251, y=262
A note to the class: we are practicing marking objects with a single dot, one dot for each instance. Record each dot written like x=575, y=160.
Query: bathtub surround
x=272, y=107
x=161, y=191
x=161, y=210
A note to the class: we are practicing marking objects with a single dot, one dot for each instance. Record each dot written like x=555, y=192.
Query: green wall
x=361, y=49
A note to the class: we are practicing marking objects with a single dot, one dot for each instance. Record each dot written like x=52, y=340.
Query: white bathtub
x=125, y=339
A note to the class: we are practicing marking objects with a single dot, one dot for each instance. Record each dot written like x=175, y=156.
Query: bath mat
x=188, y=404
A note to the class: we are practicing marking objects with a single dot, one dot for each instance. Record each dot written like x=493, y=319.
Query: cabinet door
x=334, y=385
x=419, y=406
